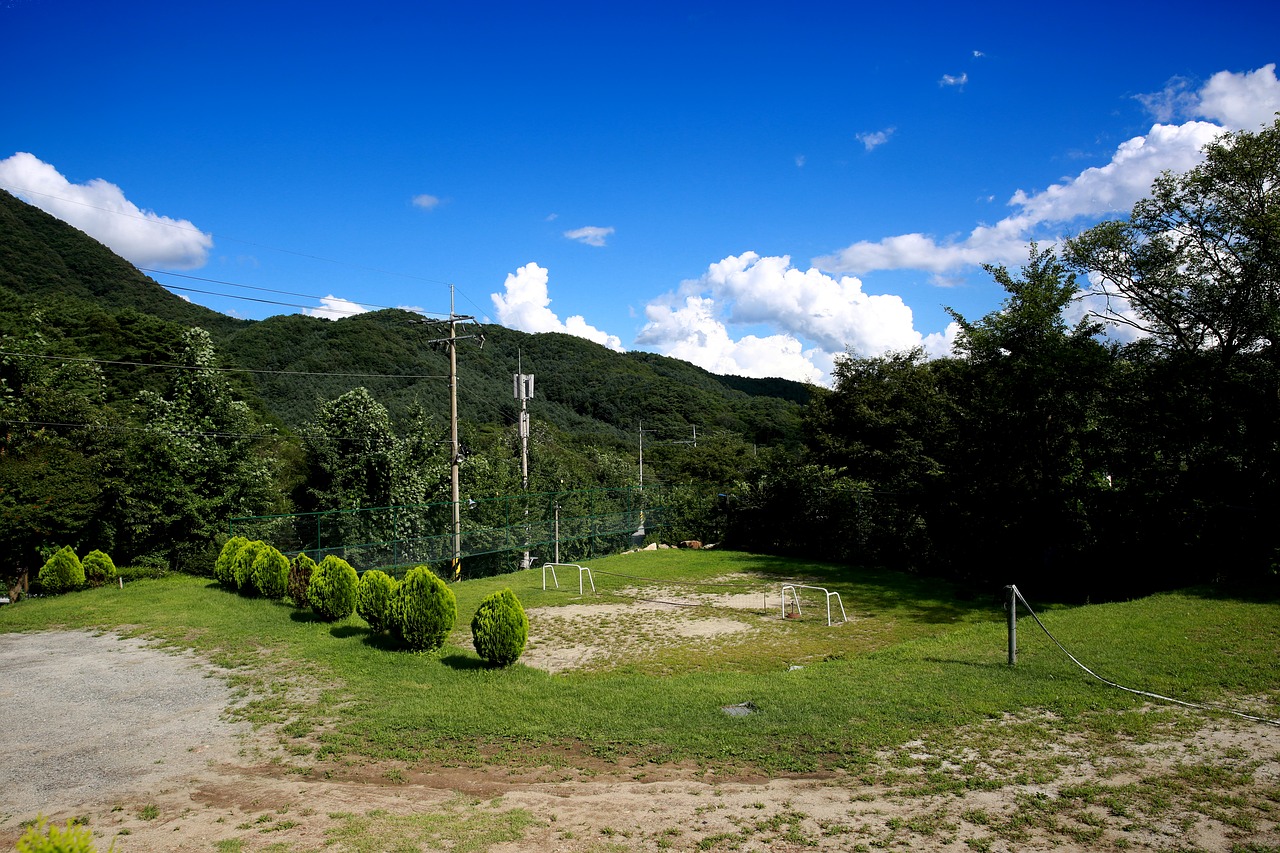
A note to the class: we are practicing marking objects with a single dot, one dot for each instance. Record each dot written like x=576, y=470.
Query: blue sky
x=753, y=187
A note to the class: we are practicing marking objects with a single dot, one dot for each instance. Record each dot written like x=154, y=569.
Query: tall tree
x=1199, y=259
x=194, y=463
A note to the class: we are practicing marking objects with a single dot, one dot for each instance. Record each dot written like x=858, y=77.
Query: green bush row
x=64, y=571
x=420, y=610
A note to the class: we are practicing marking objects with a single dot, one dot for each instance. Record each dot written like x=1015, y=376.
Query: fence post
x=1012, y=607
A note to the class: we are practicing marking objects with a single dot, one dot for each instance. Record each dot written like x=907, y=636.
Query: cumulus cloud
x=100, y=209
x=875, y=139
x=524, y=305
x=1232, y=100
x=592, y=235
x=816, y=317
x=426, y=201
x=335, y=308
x=1242, y=101
x=954, y=79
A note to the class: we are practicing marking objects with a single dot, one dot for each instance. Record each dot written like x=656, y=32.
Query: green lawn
x=916, y=660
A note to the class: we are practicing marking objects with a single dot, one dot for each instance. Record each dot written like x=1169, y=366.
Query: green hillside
x=99, y=305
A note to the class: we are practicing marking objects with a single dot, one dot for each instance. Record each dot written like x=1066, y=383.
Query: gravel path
x=91, y=719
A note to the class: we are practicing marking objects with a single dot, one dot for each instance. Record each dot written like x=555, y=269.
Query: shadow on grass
x=463, y=662
x=305, y=616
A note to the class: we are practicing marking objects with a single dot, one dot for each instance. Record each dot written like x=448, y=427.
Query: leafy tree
x=1199, y=259
x=194, y=464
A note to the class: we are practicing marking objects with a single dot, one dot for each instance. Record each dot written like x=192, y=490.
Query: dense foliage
x=43, y=837
x=62, y=572
x=375, y=595
x=424, y=611
x=332, y=589
x=500, y=628
x=270, y=573
x=242, y=566
x=99, y=568
x=300, y=569
x=224, y=568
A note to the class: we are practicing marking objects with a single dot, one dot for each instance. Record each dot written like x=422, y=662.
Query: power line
x=178, y=432
x=269, y=290
x=228, y=369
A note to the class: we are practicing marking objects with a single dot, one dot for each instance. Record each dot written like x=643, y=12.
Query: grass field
x=915, y=664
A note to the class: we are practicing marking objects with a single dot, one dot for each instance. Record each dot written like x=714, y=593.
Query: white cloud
x=335, y=308
x=977, y=54
x=800, y=161
x=1242, y=101
x=1246, y=100
x=816, y=317
x=876, y=139
x=426, y=201
x=524, y=306
x=954, y=79
x=592, y=235
x=99, y=209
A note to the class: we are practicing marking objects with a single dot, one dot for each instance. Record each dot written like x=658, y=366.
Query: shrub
x=62, y=572
x=43, y=838
x=425, y=610
x=224, y=567
x=270, y=572
x=500, y=628
x=98, y=568
x=242, y=566
x=374, y=596
x=332, y=589
x=299, y=576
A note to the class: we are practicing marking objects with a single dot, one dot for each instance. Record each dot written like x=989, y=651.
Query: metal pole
x=557, y=532
x=457, y=450
x=1012, y=607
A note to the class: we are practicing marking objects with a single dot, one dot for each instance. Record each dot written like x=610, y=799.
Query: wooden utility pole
x=455, y=448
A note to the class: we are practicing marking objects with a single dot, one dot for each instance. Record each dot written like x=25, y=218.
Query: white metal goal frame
x=581, y=571
x=795, y=598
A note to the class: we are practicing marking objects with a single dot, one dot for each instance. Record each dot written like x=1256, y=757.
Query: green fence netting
x=576, y=523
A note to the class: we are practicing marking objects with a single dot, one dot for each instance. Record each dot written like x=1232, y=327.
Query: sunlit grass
x=916, y=659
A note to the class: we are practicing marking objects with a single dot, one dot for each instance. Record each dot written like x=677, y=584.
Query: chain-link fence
x=555, y=525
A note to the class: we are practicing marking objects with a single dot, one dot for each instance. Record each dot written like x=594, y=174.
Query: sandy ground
x=134, y=740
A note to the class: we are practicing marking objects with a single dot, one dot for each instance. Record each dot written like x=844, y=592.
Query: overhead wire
x=162, y=366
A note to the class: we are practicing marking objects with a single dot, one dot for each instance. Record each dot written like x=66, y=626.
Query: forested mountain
x=99, y=305
x=137, y=422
